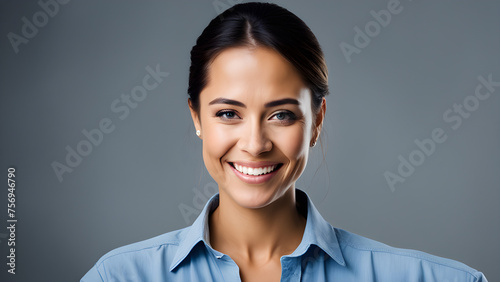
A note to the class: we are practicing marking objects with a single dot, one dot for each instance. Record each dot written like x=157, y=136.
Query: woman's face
x=256, y=124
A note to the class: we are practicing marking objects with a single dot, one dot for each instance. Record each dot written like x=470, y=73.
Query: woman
x=257, y=88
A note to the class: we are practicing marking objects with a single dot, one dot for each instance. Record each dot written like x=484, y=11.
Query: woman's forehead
x=252, y=70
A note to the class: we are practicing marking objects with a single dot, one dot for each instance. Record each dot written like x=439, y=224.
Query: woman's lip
x=254, y=179
x=255, y=164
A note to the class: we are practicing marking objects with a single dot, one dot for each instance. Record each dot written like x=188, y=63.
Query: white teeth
x=255, y=171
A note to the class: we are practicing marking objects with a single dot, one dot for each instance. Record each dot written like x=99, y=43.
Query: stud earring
x=313, y=144
x=198, y=133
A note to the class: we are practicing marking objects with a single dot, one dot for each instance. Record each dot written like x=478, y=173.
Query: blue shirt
x=324, y=254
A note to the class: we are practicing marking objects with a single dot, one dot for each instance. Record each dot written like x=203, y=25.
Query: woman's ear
x=318, y=125
x=195, y=117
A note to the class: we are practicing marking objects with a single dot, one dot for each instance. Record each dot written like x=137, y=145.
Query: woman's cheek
x=222, y=138
x=216, y=143
x=292, y=142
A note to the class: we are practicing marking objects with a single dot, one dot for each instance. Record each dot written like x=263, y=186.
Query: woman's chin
x=253, y=198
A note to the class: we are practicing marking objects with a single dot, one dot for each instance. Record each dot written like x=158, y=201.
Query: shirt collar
x=317, y=232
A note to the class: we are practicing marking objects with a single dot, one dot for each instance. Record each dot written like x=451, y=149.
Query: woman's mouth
x=255, y=173
x=255, y=170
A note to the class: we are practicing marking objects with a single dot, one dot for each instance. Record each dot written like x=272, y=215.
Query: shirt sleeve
x=92, y=275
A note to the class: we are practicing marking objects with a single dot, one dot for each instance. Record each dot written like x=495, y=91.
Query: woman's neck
x=257, y=234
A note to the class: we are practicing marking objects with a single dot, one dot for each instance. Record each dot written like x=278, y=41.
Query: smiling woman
x=255, y=114
x=257, y=88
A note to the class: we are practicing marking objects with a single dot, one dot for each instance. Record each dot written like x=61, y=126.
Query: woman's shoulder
x=128, y=260
x=358, y=248
x=166, y=240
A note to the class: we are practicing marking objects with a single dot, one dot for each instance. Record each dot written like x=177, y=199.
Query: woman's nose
x=254, y=139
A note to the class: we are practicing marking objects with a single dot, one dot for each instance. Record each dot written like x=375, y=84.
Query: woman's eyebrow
x=282, y=102
x=267, y=105
x=227, y=101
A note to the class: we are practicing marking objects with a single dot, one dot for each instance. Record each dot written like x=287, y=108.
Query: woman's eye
x=285, y=116
x=226, y=114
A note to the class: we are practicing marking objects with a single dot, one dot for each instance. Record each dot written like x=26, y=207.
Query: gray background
x=132, y=185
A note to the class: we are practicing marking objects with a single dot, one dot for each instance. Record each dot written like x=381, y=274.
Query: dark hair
x=260, y=24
